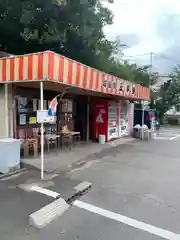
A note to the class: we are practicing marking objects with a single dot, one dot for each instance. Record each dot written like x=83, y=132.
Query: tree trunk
x=161, y=117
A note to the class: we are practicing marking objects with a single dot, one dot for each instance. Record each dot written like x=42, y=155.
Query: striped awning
x=49, y=66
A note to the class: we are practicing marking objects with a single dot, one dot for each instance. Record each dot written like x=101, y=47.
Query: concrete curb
x=83, y=186
x=50, y=212
x=47, y=214
x=80, y=190
x=3, y=176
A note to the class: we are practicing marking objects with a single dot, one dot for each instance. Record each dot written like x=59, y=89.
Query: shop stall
x=40, y=73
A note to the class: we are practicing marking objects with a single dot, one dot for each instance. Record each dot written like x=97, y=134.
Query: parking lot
x=135, y=195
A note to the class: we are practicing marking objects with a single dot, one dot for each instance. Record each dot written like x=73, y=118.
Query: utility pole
x=150, y=68
x=150, y=78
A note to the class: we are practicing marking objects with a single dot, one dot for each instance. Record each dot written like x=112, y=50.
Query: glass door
x=112, y=120
x=124, y=118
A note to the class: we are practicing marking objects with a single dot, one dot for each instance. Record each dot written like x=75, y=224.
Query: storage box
x=9, y=155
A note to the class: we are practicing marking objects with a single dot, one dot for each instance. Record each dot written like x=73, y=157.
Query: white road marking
x=170, y=129
x=15, y=175
x=174, y=137
x=162, y=138
x=114, y=216
x=45, y=191
x=168, y=134
x=128, y=221
x=165, y=136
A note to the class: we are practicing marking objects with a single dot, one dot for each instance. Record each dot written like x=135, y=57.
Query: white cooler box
x=9, y=155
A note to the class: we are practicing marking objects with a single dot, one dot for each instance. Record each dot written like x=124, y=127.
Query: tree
x=73, y=28
x=85, y=39
x=131, y=72
x=169, y=93
x=28, y=26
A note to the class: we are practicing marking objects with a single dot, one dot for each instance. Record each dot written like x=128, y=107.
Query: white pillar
x=87, y=137
x=130, y=117
x=6, y=111
x=142, y=120
x=42, y=131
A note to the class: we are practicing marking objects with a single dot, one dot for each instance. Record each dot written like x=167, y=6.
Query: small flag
x=53, y=107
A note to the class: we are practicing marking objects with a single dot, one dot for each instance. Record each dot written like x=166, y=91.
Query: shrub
x=173, y=121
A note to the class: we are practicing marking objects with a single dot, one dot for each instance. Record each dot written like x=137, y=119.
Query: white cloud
x=153, y=24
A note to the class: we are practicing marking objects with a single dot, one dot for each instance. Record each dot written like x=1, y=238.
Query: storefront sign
x=22, y=104
x=43, y=117
x=108, y=82
x=99, y=118
x=32, y=120
x=22, y=119
x=133, y=89
x=121, y=87
x=128, y=89
x=124, y=86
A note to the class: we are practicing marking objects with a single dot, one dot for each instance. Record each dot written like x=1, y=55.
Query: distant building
x=160, y=80
x=174, y=111
x=5, y=54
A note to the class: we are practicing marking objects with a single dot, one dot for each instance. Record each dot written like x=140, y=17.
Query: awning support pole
x=142, y=120
x=42, y=131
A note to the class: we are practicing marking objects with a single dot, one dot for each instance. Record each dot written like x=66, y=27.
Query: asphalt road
x=133, y=185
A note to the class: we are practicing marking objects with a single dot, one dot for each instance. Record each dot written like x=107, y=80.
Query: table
x=52, y=136
x=51, y=139
x=75, y=134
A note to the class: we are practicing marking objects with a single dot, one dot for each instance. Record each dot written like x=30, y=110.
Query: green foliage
x=169, y=94
x=173, y=121
x=133, y=73
x=73, y=28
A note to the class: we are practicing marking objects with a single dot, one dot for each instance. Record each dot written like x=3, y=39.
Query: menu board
x=26, y=113
x=24, y=105
x=65, y=114
x=21, y=104
x=22, y=119
x=67, y=105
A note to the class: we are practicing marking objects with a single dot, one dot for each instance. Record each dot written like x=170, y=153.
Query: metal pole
x=88, y=108
x=150, y=78
x=142, y=131
x=150, y=68
x=6, y=111
x=42, y=132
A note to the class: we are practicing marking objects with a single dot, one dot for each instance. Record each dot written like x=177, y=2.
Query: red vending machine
x=100, y=119
x=105, y=119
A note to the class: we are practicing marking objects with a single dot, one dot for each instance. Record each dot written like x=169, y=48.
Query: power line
x=140, y=55
x=150, y=68
x=167, y=57
x=155, y=54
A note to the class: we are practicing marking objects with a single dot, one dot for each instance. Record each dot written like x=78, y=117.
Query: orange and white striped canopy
x=49, y=66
